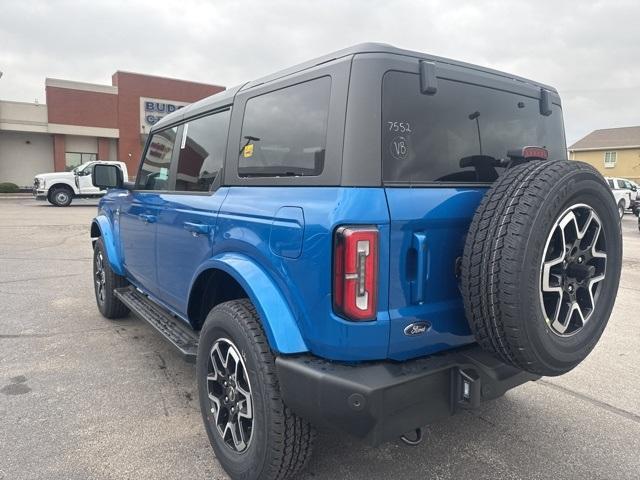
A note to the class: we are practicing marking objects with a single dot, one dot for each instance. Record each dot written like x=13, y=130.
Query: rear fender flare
x=277, y=318
x=106, y=232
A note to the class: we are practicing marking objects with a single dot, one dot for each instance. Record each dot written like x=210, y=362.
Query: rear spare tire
x=541, y=265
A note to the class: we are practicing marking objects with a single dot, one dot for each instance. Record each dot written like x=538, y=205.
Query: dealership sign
x=153, y=109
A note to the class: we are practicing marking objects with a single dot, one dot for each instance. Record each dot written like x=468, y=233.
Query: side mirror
x=106, y=176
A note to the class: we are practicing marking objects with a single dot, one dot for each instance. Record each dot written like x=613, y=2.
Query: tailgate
x=427, y=234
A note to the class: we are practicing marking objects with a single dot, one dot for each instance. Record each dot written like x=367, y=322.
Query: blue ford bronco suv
x=369, y=241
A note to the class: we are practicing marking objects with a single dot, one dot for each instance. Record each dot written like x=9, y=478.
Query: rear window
x=284, y=132
x=460, y=134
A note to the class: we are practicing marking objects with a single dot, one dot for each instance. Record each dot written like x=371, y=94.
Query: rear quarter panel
x=251, y=217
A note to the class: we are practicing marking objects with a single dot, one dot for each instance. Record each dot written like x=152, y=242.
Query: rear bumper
x=379, y=401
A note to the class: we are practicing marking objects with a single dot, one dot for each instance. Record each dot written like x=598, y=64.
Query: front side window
x=75, y=159
x=462, y=134
x=610, y=159
x=202, y=151
x=154, y=174
x=284, y=132
x=85, y=169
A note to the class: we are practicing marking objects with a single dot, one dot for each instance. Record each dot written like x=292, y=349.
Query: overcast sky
x=588, y=50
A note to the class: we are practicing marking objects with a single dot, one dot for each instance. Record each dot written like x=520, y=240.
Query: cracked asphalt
x=85, y=398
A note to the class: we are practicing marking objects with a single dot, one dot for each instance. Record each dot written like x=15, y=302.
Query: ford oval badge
x=416, y=328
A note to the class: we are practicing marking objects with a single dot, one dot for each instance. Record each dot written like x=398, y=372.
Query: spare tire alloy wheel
x=229, y=392
x=541, y=265
x=574, y=263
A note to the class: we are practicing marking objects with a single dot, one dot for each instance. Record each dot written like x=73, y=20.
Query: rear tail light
x=355, y=272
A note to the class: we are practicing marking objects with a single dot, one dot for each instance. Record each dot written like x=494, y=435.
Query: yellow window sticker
x=248, y=150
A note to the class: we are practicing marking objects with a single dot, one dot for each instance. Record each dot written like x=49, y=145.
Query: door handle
x=197, y=228
x=147, y=218
x=419, y=244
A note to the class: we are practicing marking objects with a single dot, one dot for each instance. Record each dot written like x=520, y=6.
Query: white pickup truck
x=60, y=188
x=624, y=193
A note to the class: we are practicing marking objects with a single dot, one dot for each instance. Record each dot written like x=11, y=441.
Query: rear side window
x=154, y=173
x=284, y=132
x=460, y=134
x=202, y=150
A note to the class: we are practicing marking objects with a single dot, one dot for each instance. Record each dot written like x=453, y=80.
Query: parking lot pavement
x=82, y=397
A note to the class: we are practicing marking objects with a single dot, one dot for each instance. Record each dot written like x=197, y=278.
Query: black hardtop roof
x=225, y=97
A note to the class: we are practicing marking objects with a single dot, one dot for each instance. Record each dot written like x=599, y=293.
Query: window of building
x=154, y=174
x=73, y=159
x=610, y=159
x=284, y=132
x=202, y=151
x=461, y=133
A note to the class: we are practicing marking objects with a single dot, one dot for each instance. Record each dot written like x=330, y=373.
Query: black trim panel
x=379, y=401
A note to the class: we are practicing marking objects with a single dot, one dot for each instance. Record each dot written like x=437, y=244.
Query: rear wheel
x=621, y=209
x=541, y=265
x=60, y=196
x=253, y=433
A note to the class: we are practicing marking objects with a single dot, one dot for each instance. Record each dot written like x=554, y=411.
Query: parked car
x=369, y=241
x=635, y=198
x=624, y=192
x=60, y=188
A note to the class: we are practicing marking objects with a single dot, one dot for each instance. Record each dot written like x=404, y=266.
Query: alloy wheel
x=573, y=267
x=230, y=396
x=100, y=277
x=62, y=197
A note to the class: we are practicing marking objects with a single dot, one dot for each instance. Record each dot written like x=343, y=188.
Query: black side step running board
x=172, y=328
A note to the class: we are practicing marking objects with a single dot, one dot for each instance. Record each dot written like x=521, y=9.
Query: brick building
x=82, y=122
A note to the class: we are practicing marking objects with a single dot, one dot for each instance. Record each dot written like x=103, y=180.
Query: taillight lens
x=355, y=272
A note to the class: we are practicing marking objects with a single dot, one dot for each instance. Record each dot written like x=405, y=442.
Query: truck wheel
x=60, y=196
x=621, y=209
x=253, y=433
x=105, y=281
x=541, y=265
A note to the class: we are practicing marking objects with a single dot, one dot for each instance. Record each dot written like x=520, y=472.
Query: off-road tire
x=281, y=442
x=60, y=196
x=110, y=307
x=502, y=263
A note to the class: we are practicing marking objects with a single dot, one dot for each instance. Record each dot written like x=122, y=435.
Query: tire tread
x=293, y=438
x=491, y=262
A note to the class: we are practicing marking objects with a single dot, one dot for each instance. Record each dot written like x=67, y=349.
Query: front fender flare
x=277, y=318
x=106, y=232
